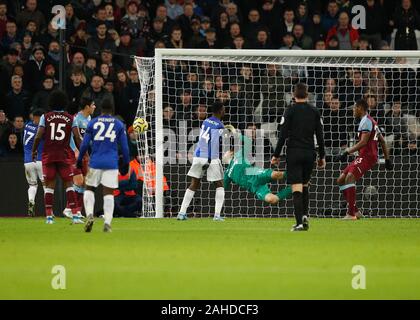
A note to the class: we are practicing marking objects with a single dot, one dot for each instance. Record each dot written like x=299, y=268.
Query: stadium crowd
x=103, y=35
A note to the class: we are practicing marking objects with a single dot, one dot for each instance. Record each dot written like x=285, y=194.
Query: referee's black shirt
x=298, y=126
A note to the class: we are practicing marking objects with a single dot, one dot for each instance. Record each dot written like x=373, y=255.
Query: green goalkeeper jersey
x=241, y=172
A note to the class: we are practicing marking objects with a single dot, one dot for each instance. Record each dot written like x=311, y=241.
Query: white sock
x=32, y=193
x=89, y=202
x=108, y=208
x=220, y=199
x=189, y=195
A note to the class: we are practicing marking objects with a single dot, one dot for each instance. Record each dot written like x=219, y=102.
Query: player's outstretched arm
x=84, y=146
x=388, y=162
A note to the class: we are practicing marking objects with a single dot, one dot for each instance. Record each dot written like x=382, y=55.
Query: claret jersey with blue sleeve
x=105, y=134
x=208, y=146
x=28, y=141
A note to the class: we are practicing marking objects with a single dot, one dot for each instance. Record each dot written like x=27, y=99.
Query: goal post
x=256, y=87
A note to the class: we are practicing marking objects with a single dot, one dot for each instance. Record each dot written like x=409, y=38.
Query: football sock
x=220, y=199
x=349, y=193
x=305, y=196
x=285, y=193
x=108, y=208
x=71, y=200
x=298, y=206
x=79, y=196
x=89, y=202
x=49, y=201
x=32, y=193
x=189, y=195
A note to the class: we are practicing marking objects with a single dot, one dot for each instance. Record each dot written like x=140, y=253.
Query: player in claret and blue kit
x=82, y=119
x=207, y=157
x=369, y=136
x=33, y=170
x=55, y=128
x=104, y=134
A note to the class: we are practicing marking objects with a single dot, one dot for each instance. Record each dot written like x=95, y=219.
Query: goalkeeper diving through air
x=254, y=179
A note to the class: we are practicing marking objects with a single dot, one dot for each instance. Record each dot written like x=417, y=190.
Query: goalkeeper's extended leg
x=188, y=196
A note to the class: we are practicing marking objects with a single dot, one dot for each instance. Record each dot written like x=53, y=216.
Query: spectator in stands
x=156, y=34
x=31, y=12
x=185, y=19
x=376, y=110
x=10, y=36
x=302, y=16
x=222, y=27
x=185, y=105
x=263, y=40
x=75, y=89
x=176, y=40
x=376, y=81
x=132, y=21
x=11, y=61
x=210, y=42
x=335, y=124
x=375, y=23
x=18, y=100
x=12, y=149
x=174, y=9
x=406, y=20
x=40, y=100
x=396, y=128
x=3, y=18
x=288, y=22
x=289, y=42
x=169, y=120
x=351, y=89
x=97, y=93
x=5, y=124
x=100, y=41
x=16, y=129
x=128, y=48
x=162, y=14
x=330, y=19
x=251, y=29
x=301, y=39
x=347, y=36
x=196, y=39
x=35, y=70
x=199, y=115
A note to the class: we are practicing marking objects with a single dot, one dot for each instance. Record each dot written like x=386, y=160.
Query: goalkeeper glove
x=230, y=128
x=388, y=164
x=342, y=157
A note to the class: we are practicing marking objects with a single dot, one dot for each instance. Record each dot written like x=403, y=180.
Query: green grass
x=201, y=259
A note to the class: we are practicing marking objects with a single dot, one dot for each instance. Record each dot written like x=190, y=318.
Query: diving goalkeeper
x=254, y=179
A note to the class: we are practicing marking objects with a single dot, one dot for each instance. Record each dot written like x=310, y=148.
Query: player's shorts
x=359, y=167
x=259, y=181
x=64, y=169
x=33, y=172
x=214, y=169
x=107, y=178
x=85, y=167
x=300, y=164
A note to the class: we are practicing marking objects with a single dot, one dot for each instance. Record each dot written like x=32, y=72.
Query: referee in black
x=300, y=123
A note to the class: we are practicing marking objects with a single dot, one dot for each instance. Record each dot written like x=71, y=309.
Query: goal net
x=178, y=86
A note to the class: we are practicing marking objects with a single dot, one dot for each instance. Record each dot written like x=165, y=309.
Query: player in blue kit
x=104, y=134
x=33, y=170
x=82, y=120
x=207, y=157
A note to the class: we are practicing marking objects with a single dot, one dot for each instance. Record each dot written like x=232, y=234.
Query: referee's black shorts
x=300, y=164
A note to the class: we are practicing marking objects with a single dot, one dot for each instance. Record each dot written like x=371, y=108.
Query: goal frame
x=161, y=54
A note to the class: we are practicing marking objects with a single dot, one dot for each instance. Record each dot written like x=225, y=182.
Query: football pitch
x=202, y=259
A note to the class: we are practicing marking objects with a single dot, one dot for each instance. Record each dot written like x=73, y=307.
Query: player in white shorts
x=33, y=170
x=207, y=158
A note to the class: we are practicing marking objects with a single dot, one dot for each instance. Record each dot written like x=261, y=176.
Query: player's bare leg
x=220, y=199
x=108, y=208
x=189, y=195
x=89, y=202
x=347, y=183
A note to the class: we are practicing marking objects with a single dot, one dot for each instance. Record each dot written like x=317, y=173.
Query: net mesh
x=256, y=91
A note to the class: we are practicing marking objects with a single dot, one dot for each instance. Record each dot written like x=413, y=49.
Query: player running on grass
x=254, y=179
x=55, y=128
x=82, y=119
x=33, y=170
x=369, y=135
x=105, y=133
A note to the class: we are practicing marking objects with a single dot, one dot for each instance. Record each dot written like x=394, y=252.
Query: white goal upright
x=179, y=85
